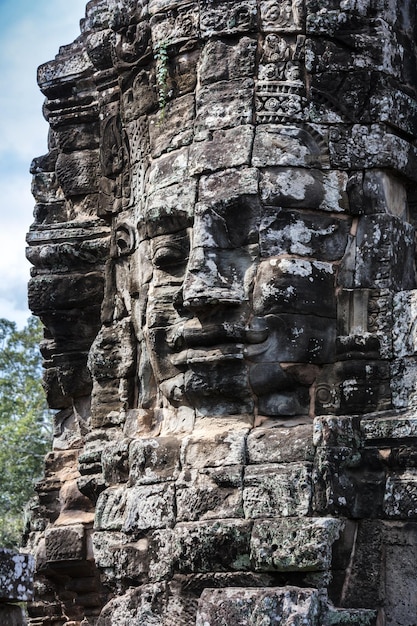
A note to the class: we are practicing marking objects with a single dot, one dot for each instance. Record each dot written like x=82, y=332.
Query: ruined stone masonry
x=224, y=263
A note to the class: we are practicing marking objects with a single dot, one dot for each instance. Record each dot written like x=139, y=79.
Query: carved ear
x=124, y=240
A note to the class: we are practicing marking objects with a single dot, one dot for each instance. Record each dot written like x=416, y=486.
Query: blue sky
x=31, y=32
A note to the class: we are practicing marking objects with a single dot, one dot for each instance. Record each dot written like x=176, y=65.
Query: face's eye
x=167, y=256
x=170, y=250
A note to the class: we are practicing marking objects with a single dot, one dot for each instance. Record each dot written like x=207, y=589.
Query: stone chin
x=222, y=382
x=214, y=382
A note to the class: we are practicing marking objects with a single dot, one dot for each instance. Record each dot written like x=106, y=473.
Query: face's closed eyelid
x=170, y=250
x=168, y=255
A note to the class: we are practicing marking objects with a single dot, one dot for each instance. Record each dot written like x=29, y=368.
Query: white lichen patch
x=404, y=383
x=293, y=185
x=335, y=197
x=16, y=571
x=297, y=267
x=400, y=499
x=350, y=387
x=304, y=268
x=299, y=235
x=405, y=325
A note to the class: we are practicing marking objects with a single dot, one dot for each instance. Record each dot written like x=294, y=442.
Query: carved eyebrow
x=156, y=225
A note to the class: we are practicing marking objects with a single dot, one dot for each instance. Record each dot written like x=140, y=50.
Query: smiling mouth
x=226, y=352
x=195, y=343
x=194, y=336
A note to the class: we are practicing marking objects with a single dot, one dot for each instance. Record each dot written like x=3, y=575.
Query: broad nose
x=210, y=280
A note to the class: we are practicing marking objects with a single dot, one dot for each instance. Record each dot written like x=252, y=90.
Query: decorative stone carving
x=224, y=263
x=286, y=16
x=280, y=89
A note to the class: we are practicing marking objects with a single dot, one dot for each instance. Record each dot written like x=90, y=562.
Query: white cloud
x=31, y=40
x=15, y=218
x=9, y=312
x=30, y=34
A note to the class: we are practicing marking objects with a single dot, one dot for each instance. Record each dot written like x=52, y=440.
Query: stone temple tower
x=224, y=263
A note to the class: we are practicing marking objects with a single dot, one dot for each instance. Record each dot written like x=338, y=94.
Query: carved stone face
x=240, y=307
x=198, y=310
x=251, y=225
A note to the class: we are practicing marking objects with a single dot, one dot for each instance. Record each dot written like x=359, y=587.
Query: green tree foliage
x=25, y=424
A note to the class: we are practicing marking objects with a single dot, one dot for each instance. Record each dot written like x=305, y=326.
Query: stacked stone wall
x=224, y=262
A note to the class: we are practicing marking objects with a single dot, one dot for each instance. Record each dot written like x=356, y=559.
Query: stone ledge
x=284, y=605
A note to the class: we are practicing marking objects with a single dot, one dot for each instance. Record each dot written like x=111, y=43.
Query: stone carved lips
x=192, y=333
x=208, y=355
x=213, y=343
